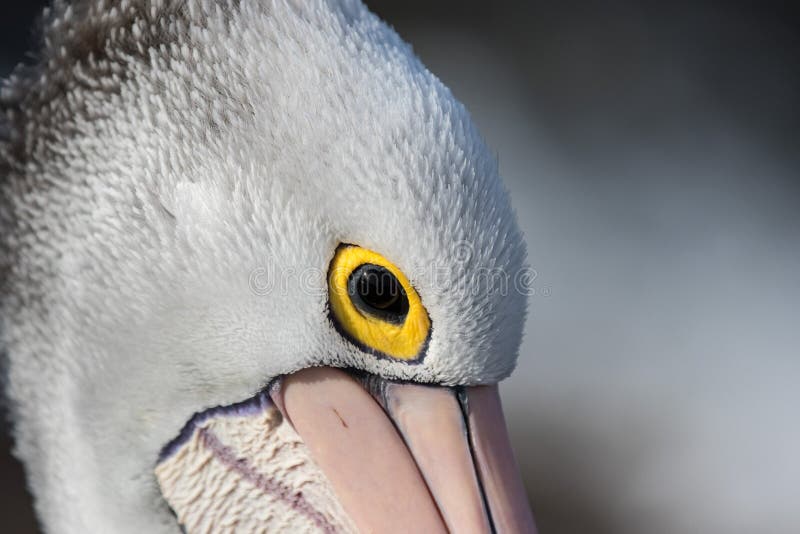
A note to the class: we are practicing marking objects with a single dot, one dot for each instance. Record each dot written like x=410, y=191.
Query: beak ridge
x=432, y=425
x=502, y=485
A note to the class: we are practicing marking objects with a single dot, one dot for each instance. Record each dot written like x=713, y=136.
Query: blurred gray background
x=651, y=151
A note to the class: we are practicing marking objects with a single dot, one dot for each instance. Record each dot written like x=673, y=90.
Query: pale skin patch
x=248, y=473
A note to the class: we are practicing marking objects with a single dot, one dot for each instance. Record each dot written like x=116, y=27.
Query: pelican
x=258, y=276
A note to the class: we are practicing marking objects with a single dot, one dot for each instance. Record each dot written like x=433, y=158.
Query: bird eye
x=375, y=291
x=374, y=305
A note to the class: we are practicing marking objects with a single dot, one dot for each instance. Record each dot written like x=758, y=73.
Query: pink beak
x=409, y=457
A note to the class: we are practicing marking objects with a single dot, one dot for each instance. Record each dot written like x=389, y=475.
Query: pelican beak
x=409, y=457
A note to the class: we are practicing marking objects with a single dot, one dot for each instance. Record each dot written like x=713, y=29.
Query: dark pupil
x=376, y=291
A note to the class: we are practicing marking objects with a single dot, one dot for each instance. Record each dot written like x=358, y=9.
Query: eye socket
x=375, y=291
x=374, y=305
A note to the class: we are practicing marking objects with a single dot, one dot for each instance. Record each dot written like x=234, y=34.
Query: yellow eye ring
x=375, y=306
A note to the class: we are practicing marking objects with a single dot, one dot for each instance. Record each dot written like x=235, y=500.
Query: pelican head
x=258, y=274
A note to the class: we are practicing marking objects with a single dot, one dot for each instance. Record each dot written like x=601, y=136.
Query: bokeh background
x=652, y=152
